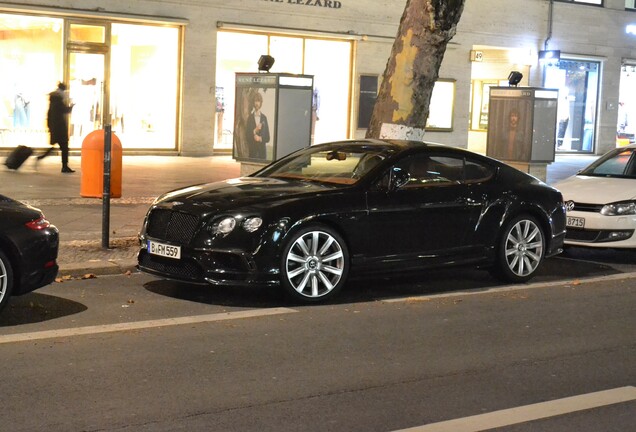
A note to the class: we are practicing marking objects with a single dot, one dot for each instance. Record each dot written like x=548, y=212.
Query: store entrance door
x=86, y=72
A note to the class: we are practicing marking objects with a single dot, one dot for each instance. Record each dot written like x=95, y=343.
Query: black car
x=28, y=249
x=319, y=215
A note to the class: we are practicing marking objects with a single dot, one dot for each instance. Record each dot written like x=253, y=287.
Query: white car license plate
x=575, y=222
x=164, y=250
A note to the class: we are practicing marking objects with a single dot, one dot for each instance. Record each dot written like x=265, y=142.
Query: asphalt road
x=134, y=353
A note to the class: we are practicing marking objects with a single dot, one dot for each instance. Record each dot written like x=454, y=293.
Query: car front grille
x=582, y=235
x=584, y=207
x=187, y=270
x=172, y=225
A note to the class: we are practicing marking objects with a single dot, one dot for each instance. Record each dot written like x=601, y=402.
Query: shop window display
x=626, y=123
x=144, y=80
x=578, y=83
x=31, y=59
x=239, y=52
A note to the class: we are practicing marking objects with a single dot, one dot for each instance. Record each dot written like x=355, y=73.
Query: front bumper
x=223, y=268
x=601, y=231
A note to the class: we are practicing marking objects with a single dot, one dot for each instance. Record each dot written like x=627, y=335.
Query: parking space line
x=519, y=287
x=138, y=325
x=532, y=412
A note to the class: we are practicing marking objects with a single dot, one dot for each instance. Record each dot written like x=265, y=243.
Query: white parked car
x=601, y=201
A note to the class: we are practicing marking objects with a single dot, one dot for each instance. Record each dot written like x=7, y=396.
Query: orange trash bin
x=92, y=181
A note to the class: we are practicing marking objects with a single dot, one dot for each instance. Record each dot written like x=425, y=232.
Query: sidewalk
x=80, y=219
x=143, y=178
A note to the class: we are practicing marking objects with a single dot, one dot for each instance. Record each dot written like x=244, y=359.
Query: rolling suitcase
x=18, y=156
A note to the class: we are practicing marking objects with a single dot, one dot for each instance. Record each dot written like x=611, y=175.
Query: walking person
x=57, y=122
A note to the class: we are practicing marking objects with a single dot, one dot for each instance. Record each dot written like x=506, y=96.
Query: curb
x=97, y=268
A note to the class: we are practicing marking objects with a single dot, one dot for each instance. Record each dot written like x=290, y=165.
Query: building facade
x=162, y=73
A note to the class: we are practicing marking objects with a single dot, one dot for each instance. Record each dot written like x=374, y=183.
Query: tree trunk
x=402, y=106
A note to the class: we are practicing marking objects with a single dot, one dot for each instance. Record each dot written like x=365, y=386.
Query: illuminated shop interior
x=329, y=61
x=128, y=70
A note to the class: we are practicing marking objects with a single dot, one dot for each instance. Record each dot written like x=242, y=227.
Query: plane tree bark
x=402, y=106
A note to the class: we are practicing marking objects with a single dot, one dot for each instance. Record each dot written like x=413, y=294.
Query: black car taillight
x=38, y=224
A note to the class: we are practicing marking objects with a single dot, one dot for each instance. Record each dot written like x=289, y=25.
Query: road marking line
x=507, y=288
x=138, y=325
x=532, y=412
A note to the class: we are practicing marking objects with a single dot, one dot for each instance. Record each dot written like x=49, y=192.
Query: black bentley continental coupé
x=312, y=219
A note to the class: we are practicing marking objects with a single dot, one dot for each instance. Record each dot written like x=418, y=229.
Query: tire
x=6, y=280
x=521, y=250
x=314, y=264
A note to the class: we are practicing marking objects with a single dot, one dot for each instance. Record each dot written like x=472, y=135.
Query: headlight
x=224, y=226
x=619, y=209
x=252, y=224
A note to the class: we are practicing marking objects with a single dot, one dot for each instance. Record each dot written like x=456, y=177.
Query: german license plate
x=164, y=250
x=575, y=222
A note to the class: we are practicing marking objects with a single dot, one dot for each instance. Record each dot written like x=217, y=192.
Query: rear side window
x=432, y=170
x=475, y=172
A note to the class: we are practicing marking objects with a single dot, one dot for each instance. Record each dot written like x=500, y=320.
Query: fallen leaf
x=89, y=276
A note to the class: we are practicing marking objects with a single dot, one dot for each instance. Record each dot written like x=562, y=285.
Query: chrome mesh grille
x=173, y=226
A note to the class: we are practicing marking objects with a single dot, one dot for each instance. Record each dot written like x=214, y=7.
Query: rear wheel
x=6, y=280
x=521, y=249
x=315, y=263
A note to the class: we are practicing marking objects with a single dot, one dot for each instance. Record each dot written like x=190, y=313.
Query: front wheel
x=6, y=280
x=315, y=263
x=521, y=249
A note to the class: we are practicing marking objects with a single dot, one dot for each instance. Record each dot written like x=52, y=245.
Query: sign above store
x=330, y=4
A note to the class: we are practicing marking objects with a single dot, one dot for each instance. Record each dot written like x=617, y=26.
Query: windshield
x=619, y=163
x=344, y=164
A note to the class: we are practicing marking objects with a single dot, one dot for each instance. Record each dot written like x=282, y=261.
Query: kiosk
x=522, y=127
x=272, y=118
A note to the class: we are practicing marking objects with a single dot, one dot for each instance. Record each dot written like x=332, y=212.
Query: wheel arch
x=12, y=254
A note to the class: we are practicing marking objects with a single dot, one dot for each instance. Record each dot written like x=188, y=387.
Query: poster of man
x=254, y=119
x=510, y=129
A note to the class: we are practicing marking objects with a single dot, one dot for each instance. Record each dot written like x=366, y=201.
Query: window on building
x=578, y=84
x=144, y=85
x=630, y=4
x=592, y=2
x=32, y=64
x=239, y=52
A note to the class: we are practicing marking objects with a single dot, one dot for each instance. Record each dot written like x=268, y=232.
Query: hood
x=597, y=190
x=241, y=192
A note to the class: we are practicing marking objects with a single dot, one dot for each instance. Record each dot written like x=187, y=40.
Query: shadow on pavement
x=251, y=297
x=34, y=308
x=423, y=283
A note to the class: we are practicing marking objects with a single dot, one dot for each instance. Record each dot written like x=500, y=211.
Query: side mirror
x=399, y=178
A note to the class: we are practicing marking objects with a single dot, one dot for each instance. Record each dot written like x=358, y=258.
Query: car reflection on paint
x=601, y=201
x=313, y=219
x=28, y=249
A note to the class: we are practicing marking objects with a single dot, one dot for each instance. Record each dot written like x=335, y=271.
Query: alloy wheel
x=315, y=264
x=524, y=247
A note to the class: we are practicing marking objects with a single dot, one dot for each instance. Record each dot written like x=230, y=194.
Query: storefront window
x=31, y=59
x=87, y=33
x=594, y=2
x=144, y=85
x=626, y=125
x=239, y=52
x=578, y=83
